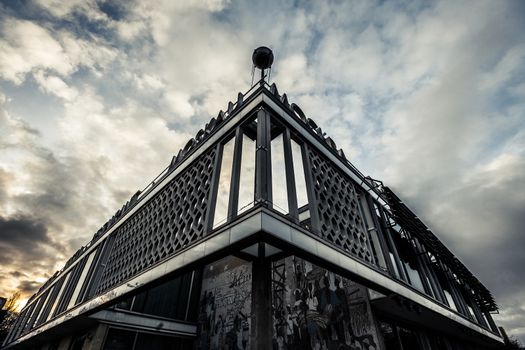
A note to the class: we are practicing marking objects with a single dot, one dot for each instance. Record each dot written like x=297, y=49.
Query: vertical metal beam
x=236, y=175
x=261, y=331
x=263, y=179
x=214, y=187
x=290, y=177
x=310, y=190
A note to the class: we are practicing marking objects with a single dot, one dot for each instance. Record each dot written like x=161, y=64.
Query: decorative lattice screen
x=338, y=207
x=169, y=222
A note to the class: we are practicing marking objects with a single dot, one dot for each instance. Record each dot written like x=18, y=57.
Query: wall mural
x=225, y=305
x=317, y=309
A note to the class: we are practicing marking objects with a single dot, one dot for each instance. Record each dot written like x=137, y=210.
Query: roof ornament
x=262, y=58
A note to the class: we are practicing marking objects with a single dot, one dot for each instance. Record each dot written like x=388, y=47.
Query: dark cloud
x=22, y=231
x=28, y=286
x=17, y=274
x=22, y=236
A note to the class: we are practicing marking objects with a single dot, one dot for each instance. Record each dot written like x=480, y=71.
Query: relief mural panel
x=225, y=305
x=317, y=309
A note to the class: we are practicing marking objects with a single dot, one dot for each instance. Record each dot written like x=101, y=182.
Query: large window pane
x=39, y=319
x=393, y=260
x=279, y=191
x=247, y=177
x=223, y=191
x=57, y=300
x=81, y=280
x=414, y=277
x=159, y=342
x=450, y=300
x=171, y=299
x=300, y=181
x=119, y=339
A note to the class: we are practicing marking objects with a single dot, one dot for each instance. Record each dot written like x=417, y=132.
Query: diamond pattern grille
x=169, y=222
x=338, y=207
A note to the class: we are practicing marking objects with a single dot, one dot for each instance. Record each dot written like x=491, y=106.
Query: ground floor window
x=120, y=339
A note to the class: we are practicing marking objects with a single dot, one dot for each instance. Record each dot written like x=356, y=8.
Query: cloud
x=25, y=233
x=56, y=86
x=179, y=104
x=27, y=46
x=28, y=286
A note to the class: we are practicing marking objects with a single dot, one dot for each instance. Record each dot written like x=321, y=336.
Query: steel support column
x=261, y=327
x=263, y=169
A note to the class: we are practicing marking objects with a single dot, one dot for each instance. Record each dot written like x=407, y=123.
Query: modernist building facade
x=260, y=234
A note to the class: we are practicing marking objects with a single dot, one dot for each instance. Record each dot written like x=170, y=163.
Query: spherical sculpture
x=262, y=57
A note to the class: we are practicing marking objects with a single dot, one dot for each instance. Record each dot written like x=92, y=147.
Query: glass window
x=80, y=282
x=38, y=308
x=247, y=176
x=119, y=339
x=471, y=311
x=393, y=260
x=57, y=300
x=415, y=279
x=42, y=317
x=409, y=339
x=300, y=181
x=279, y=190
x=167, y=300
x=430, y=292
x=77, y=343
x=487, y=323
x=388, y=332
x=125, y=304
x=152, y=341
x=450, y=300
x=175, y=299
x=223, y=191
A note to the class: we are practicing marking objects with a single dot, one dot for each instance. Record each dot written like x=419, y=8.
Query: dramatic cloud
x=96, y=96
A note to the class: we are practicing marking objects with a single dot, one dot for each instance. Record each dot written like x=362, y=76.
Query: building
x=260, y=234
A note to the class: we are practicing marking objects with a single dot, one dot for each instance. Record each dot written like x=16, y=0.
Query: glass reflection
x=279, y=191
x=223, y=192
x=247, y=177
x=300, y=181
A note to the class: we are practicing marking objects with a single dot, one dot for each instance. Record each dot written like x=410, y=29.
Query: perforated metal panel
x=169, y=222
x=339, y=217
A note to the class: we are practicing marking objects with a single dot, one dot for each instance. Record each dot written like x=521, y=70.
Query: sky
x=429, y=97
